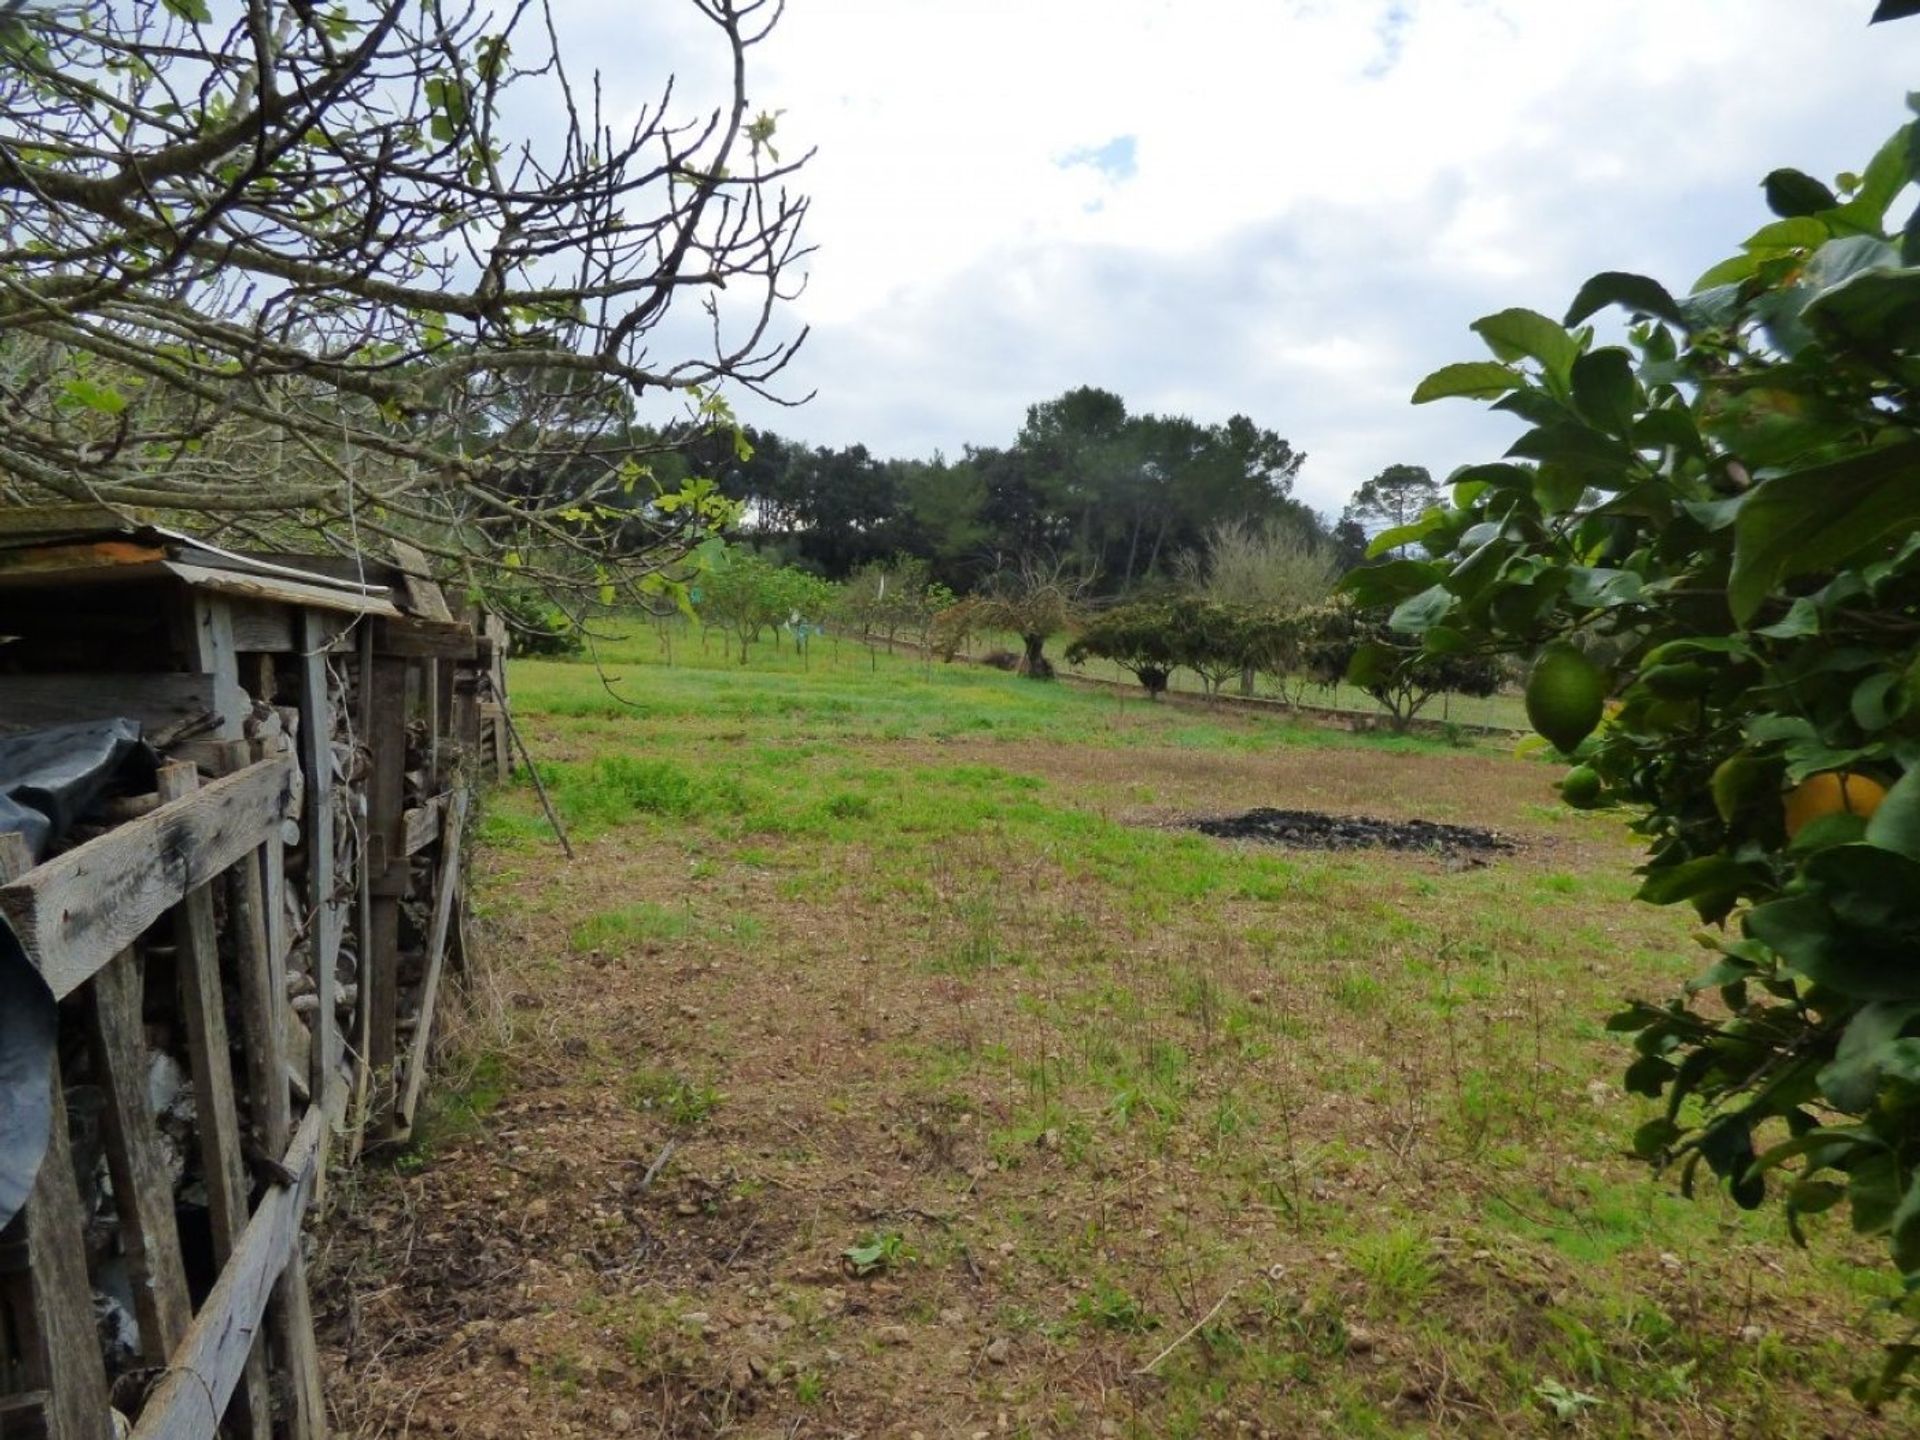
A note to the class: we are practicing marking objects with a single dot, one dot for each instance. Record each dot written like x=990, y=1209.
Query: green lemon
x=1581, y=788
x=1565, y=694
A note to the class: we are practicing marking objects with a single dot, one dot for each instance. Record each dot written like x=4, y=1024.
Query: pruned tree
x=1035, y=595
x=1138, y=637
x=293, y=275
x=1344, y=642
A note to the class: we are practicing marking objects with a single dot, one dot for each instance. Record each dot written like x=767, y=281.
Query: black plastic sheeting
x=48, y=779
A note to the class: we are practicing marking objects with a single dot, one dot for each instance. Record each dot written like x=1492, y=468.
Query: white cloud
x=1323, y=193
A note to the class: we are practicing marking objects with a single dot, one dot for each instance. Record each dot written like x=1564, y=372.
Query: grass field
x=891, y=1063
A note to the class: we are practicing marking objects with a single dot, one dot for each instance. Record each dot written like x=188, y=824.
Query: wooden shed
x=245, y=950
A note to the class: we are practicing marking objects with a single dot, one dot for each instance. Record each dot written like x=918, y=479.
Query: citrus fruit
x=1581, y=787
x=1564, y=695
x=1832, y=792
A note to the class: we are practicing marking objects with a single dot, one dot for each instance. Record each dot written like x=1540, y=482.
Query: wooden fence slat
x=386, y=794
x=443, y=902
x=207, y=1365
x=222, y=1159
x=323, y=932
x=142, y=1188
x=78, y=910
x=68, y=1361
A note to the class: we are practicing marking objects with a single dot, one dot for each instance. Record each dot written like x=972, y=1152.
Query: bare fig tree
x=298, y=274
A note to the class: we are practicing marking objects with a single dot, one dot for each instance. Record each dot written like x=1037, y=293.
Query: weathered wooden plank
x=222, y=1158
x=76, y=519
x=78, y=910
x=386, y=792
x=323, y=924
x=157, y=700
x=420, y=825
x=270, y=587
x=422, y=593
x=445, y=895
x=142, y=1188
x=207, y=1365
x=66, y=1356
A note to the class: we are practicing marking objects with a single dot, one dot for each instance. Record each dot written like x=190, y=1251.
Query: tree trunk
x=1246, y=679
x=1035, y=665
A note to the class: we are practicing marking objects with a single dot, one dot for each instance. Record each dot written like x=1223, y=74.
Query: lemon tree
x=1713, y=518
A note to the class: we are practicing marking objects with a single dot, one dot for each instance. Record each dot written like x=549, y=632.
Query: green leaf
x=1815, y=518
x=1604, y=390
x=1391, y=582
x=95, y=396
x=1474, y=379
x=1526, y=334
x=1576, y=445
x=1852, y=1077
x=1791, y=193
x=194, y=10
x=1619, y=287
x=1895, y=825
x=1709, y=877
x=1414, y=614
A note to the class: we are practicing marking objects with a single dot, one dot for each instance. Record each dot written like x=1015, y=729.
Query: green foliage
x=537, y=626
x=1136, y=637
x=1723, y=511
x=747, y=594
x=1343, y=642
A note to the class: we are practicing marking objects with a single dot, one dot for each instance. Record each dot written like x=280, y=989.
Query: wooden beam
x=271, y=587
x=207, y=1366
x=425, y=639
x=142, y=1188
x=222, y=1158
x=78, y=910
x=66, y=1361
x=156, y=699
x=444, y=898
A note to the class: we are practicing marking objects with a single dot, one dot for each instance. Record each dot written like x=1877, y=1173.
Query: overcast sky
x=1290, y=209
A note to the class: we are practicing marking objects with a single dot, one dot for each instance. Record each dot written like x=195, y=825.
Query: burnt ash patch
x=1312, y=830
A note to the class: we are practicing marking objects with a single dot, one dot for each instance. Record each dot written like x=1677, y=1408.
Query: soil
x=1312, y=830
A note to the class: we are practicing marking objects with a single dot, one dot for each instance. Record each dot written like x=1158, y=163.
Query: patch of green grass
x=621, y=929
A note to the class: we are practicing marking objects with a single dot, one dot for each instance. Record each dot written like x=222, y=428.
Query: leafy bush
x=1723, y=513
x=1340, y=642
x=1137, y=637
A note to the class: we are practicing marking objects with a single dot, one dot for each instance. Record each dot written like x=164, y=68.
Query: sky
x=1288, y=209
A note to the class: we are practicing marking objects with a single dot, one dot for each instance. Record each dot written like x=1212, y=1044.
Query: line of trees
x=1126, y=499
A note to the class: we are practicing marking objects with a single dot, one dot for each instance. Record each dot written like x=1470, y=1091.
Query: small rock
x=999, y=1351
x=1360, y=1340
x=894, y=1335
x=1753, y=1334
x=695, y=1320
x=619, y=1421
x=953, y=1317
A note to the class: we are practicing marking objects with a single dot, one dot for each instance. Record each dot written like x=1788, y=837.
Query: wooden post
x=207, y=622
x=258, y=938
x=65, y=1361
x=316, y=758
x=142, y=1189
x=387, y=876
x=222, y=1158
